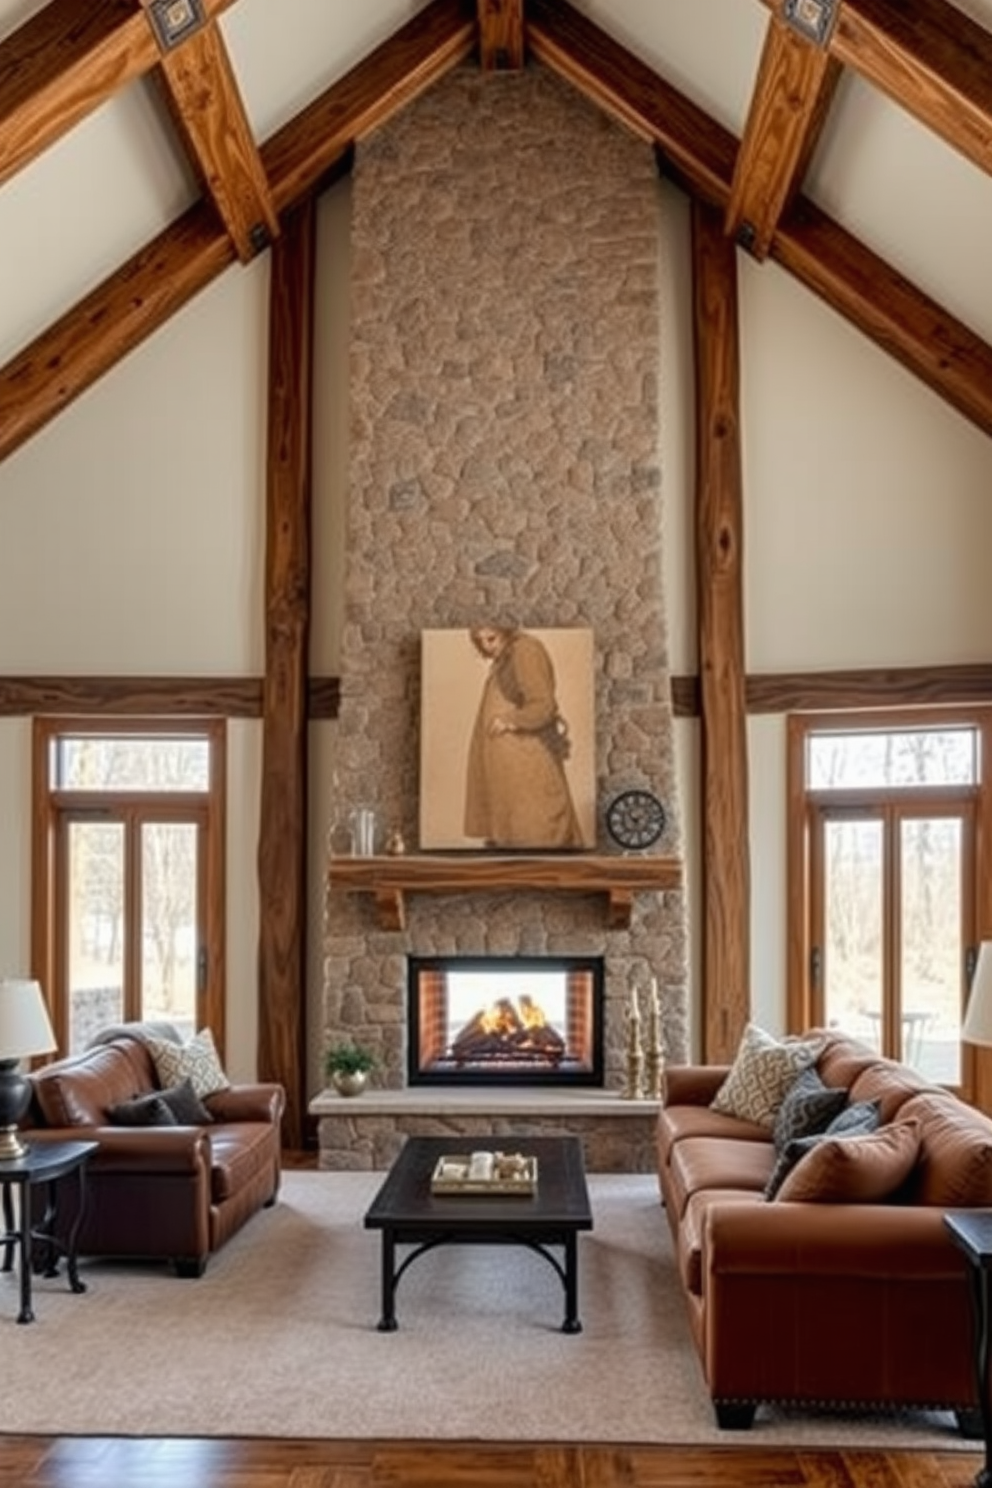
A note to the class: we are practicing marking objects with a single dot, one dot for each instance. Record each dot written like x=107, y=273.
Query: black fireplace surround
x=505, y=1020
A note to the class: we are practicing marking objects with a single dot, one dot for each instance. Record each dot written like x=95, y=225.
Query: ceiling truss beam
x=792, y=94
x=200, y=89
x=63, y=63
x=926, y=55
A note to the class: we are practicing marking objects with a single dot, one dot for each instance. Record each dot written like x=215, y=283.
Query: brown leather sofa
x=840, y=1304
x=171, y=1192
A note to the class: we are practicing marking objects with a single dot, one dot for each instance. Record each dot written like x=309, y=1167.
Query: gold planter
x=349, y=1084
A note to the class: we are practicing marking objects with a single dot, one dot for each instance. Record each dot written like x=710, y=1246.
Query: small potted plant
x=348, y=1065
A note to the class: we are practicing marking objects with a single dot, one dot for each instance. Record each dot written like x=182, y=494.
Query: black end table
x=42, y=1163
x=408, y=1213
x=971, y=1229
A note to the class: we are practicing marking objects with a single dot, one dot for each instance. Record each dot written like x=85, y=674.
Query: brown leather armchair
x=170, y=1192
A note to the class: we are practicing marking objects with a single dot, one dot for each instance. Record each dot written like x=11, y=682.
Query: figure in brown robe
x=517, y=793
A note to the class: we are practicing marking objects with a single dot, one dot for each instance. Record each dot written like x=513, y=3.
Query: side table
x=42, y=1163
x=971, y=1229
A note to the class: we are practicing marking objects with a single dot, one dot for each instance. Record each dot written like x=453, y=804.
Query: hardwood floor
x=125, y=1462
x=100, y=1462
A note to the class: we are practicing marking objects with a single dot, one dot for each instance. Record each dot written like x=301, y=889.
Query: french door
x=892, y=926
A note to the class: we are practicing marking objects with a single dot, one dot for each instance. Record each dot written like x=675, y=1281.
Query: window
x=885, y=878
x=128, y=903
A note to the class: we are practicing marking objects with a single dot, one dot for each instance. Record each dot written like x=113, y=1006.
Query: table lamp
x=977, y=1025
x=25, y=1029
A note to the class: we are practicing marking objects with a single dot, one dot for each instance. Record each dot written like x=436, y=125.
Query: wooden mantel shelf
x=390, y=879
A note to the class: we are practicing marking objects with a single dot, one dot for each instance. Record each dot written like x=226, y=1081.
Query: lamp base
x=15, y=1097
x=11, y=1146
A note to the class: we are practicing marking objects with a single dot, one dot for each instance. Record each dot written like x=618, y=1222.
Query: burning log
x=505, y=1031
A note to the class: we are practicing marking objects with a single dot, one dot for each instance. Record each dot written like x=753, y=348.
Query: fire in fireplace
x=510, y=1020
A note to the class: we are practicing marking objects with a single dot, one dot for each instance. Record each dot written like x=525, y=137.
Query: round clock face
x=635, y=819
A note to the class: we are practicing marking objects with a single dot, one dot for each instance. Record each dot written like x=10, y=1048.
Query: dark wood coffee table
x=408, y=1213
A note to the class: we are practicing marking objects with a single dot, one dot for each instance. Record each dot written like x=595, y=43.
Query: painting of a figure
x=507, y=739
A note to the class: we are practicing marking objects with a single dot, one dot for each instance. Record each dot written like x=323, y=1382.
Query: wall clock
x=635, y=818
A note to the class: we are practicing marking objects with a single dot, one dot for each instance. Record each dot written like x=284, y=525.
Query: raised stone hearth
x=367, y=1131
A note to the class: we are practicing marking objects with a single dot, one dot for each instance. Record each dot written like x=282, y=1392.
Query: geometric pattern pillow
x=809, y=1106
x=855, y=1170
x=762, y=1071
x=197, y=1061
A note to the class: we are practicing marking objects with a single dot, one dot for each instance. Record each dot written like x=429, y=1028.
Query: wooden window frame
x=976, y=1064
x=49, y=806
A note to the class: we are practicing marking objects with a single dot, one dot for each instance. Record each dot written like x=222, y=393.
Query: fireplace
x=507, y=1020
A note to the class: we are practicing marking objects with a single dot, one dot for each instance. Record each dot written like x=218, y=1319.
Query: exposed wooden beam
x=241, y=697
x=719, y=598
x=928, y=56
x=64, y=62
x=301, y=157
x=282, y=878
x=501, y=34
x=189, y=697
x=699, y=153
x=200, y=88
x=792, y=93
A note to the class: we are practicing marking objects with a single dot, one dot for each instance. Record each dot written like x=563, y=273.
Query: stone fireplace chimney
x=504, y=470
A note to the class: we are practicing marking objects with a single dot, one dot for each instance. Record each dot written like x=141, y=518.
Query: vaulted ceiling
x=148, y=145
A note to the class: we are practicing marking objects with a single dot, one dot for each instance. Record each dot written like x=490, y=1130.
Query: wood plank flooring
x=125, y=1462
x=101, y=1462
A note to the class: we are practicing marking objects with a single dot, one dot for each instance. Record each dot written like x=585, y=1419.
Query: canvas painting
x=507, y=740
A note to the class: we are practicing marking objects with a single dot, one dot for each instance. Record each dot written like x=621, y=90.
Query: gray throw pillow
x=857, y=1119
x=185, y=1105
x=144, y=1110
x=809, y=1106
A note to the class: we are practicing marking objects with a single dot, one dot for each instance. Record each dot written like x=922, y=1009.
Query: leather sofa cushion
x=79, y=1092
x=890, y=1084
x=954, y=1168
x=718, y=1162
x=238, y=1153
x=841, y=1060
x=676, y=1122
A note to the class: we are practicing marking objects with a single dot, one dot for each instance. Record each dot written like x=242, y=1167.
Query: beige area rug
x=278, y=1339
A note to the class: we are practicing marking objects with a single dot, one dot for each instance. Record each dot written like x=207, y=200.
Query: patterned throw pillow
x=809, y=1106
x=197, y=1061
x=760, y=1075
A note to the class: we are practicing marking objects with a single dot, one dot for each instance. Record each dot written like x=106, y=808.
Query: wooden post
x=719, y=562
x=282, y=830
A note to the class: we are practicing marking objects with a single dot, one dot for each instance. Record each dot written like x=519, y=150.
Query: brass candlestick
x=635, y=1057
x=654, y=1054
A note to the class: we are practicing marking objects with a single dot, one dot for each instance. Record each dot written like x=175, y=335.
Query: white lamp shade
x=977, y=1026
x=25, y=1027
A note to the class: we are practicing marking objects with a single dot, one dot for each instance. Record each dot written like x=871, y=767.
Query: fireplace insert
x=507, y=1020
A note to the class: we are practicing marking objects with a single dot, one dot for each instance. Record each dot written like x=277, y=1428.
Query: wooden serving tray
x=451, y=1175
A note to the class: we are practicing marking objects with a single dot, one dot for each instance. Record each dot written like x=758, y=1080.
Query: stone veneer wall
x=504, y=469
